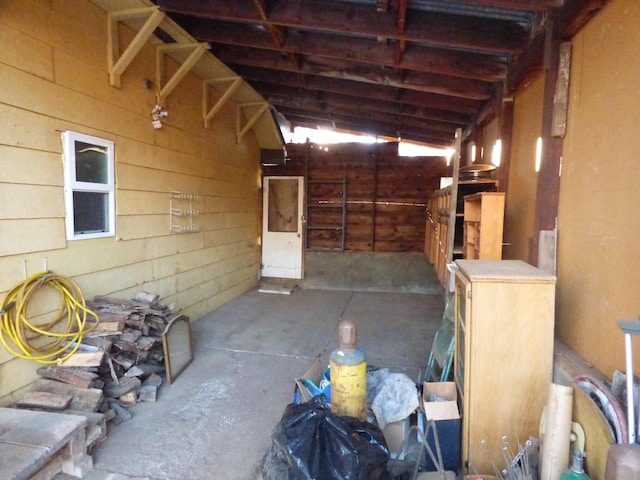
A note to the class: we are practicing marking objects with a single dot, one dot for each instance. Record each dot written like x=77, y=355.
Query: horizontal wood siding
x=53, y=77
x=386, y=194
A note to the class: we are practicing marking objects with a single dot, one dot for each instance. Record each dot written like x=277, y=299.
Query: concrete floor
x=215, y=420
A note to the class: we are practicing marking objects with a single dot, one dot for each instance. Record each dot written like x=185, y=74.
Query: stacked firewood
x=119, y=362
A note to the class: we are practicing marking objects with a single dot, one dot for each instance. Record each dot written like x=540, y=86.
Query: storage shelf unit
x=440, y=208
x=483, y=224
x=503, y=356
x=326, y=211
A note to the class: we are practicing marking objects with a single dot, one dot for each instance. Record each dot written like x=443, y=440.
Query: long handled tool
x=623, y=461
x=630, y=327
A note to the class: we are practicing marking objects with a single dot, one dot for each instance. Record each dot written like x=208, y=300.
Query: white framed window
x=89, y=186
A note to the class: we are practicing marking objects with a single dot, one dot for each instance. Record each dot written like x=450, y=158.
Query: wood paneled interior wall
x=53, y=77
x=598, y=226
x=386, y=193
x=522, y=190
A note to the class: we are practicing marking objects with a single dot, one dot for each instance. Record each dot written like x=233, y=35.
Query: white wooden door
x=282, y=217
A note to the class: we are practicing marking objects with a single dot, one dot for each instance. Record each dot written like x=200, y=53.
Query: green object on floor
x=576, y=472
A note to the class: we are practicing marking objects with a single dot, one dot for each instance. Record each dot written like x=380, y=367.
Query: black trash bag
x=310, y=443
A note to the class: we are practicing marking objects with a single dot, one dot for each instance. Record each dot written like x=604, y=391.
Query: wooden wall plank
x=31, y=201
x=386, y=195
x=21, y=165
x=23, y=51
x=24, y=236
x=54, y=76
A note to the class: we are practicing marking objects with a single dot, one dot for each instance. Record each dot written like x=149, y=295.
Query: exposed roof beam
x=488, y=68
x=428, y=28
x=373, y=92
x=430, y=83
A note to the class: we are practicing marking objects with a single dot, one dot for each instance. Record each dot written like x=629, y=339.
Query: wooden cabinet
x=504, y=311
x=483, y=225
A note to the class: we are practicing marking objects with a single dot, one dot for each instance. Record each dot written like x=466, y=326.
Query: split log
x=85, y=399
x=45, y=401
x=144, y=370
x=84, y=359
x=126, y=384
x=74, y=376
x=130, y=335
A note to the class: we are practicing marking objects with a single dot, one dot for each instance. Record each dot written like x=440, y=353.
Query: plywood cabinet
x=483, y=226
x=504, y=329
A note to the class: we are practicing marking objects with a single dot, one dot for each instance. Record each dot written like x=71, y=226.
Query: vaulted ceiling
x=414, y=69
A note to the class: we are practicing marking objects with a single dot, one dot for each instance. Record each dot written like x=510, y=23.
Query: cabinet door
x=462, y=326
x=462, y=311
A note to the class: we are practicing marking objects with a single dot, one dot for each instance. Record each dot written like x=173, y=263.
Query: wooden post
x=549, y=175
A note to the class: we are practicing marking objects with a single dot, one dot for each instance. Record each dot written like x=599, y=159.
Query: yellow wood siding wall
x=53, y=77
x=598, y=223
x=520, y=202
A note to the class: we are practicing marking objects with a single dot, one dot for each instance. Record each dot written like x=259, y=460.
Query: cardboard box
x=446, y=405
x=309, y=385
x=394, y=434
x=446, y=416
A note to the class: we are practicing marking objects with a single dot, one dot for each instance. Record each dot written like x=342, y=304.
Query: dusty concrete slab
x=215, y=421
x=219, y=414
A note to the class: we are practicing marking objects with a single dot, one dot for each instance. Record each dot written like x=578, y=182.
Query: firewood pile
x=119, y=363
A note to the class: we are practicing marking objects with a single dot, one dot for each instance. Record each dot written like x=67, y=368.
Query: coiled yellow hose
x=23, y=335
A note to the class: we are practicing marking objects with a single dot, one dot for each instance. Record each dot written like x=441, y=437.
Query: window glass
x=90, y=212
x=89, y=186
x=91, y=163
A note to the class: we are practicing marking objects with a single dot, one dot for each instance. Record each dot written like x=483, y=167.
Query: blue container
x=449, y=437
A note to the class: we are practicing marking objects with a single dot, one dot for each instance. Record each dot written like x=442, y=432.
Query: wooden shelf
x=326, y=210
x=441, y=245
x=483, y=219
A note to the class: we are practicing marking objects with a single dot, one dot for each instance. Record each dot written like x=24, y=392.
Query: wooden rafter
x=208, y=114
x=119, y=63
x=198, y=50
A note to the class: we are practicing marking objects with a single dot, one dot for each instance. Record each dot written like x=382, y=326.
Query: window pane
x=91, y=163
x=283, y=205
x=90, y=212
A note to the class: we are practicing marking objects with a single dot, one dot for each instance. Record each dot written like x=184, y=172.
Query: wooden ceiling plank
x=429, y=28
x=429, y=83
x=368, y=52
x=374, y=92
x=238, y=10
x=118, y=67
x=283, y=97
x=535, y=5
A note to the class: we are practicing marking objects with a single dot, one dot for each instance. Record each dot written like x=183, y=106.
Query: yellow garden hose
x=65, y=331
